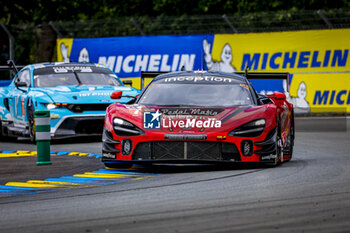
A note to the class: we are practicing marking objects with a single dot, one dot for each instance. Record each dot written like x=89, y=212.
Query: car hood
x=216, y=118
x=82, y=94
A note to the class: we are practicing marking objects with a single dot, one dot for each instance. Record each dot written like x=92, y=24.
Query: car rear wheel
x=288, y=151
x=279, y=147
x=1, y=131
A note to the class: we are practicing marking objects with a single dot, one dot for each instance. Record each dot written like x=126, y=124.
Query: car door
x=18, y=95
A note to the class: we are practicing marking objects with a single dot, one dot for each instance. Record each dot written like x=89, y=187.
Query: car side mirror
x=127, y=82
x=116, y=95
x=279, y=95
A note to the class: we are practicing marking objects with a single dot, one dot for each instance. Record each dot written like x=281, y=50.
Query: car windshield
x=59, y=79
x=184, y=94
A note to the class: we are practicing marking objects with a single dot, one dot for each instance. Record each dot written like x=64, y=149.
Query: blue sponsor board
x=265, y=86
x=4, y=83
x=127, y=56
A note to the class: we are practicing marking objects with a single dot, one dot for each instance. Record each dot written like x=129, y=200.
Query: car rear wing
x=149, y=74
x=248, y=75
x=267, y=75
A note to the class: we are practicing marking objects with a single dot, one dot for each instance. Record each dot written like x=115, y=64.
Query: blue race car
x=77, y=95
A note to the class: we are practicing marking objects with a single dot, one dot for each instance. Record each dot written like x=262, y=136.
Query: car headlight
x=50, y=106
x=122, y=123
x=125, y=128
x=250, y=129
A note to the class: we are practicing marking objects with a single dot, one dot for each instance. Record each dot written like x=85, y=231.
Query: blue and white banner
x=128, y=56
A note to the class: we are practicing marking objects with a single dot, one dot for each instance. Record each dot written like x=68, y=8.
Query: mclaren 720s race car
x=198, y=117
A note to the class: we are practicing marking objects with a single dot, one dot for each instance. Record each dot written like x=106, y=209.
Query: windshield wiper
x=76, y=76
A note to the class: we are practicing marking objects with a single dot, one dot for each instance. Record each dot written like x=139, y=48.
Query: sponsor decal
x=65, y=69
x=199, y=79
x=54, y=116
x=221, y=137
x=268, y=157
x=87, y=94
x=185, y=137
x=153, y=120
x=191, y=111
x=108, y=155
x=190, y=123
x=244, y=86
x=22, y=105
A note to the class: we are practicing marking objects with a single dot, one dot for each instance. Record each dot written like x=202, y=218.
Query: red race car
x=199, y=117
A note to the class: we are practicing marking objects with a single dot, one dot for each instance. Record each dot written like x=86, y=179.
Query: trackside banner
x=128, y=56
x=311, y=57
x=320, y=92
x=294, y=52
x=318, y=61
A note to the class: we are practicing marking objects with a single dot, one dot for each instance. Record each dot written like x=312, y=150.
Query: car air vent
x=87, y=107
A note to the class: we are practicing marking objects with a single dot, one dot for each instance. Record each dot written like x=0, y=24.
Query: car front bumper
x=78, y=125
x=156, y=148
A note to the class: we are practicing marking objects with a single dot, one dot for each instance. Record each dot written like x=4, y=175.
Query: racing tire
x=288, y=151
x=31, y=123
x=4, y=136
x=279, y=147
x=1, y=131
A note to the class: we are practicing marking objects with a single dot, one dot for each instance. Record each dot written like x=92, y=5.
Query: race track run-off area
x=311, y=193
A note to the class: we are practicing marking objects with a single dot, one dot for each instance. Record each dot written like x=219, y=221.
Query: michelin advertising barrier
x=128, y=56
x=317, y=60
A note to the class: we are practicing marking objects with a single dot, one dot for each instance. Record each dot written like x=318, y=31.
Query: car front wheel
x=31, y=123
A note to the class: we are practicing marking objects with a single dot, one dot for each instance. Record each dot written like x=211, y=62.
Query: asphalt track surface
x=311, y=193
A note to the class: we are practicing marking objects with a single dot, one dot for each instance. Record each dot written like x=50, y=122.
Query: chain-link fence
x=170, y=25
x=28, y=39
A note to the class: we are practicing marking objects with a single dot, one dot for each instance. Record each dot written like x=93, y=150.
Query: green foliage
x=37, y=11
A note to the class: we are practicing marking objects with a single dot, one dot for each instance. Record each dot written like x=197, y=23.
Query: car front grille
x=75, y=126
x=87, y=107
x=186, y=150
x=89, y=127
